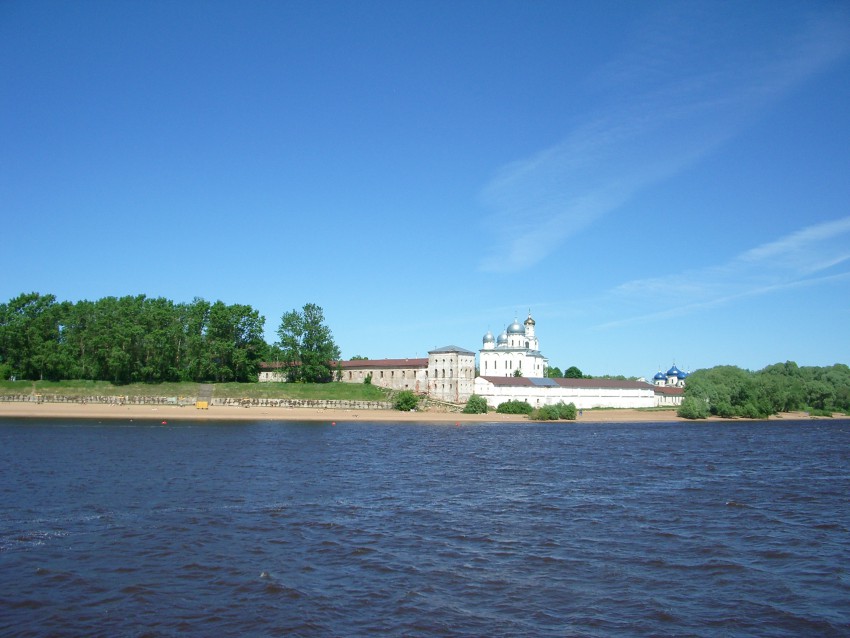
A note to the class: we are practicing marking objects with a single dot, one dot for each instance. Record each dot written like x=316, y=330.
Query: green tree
x=556, y=412
x=233, y=343
x=514, y=407
x=554, y=373
x=567, y=411
x=406, y=401
x=573, y=373
x=693, y=408
x=476, y=404
x=30, y=333
x=194, y=318
x=307, y=345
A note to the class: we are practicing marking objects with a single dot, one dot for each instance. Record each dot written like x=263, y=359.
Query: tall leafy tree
x=30, y=326
x=195, y=319
x=307, y=346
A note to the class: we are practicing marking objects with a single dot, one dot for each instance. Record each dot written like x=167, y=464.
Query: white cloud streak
x=647, y=138
x=808, y=257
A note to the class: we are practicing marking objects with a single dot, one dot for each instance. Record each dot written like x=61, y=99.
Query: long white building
x=584, y=393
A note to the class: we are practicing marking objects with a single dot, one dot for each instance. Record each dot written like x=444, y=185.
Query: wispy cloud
x=651, y=136
x=811, y=256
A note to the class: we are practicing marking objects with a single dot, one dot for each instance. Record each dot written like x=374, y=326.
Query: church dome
x=489, y=338
x=682, y=375
x=503, y=339
x=529, y=320
x=660, y=376
x=673, y=372
x=515, y=328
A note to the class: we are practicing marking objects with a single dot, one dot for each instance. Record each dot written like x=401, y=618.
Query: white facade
x=394, y=374
x=584, y=393
x=451, y=374
x=515, y=352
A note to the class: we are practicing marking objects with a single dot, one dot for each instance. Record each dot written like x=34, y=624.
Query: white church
x=515, y=352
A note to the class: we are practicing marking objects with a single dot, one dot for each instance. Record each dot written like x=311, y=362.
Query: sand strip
x=231, y=413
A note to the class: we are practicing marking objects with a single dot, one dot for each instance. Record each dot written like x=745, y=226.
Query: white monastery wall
x=584, y=398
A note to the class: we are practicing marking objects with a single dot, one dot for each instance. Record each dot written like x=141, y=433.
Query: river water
x=300, y=529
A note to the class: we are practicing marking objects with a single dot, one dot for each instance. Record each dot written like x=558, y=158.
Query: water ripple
x=422, y=530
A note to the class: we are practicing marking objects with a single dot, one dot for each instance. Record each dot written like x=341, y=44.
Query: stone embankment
x=190, y=401
x=305, y=403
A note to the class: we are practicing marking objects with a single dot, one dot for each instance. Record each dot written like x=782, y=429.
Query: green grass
x=324, y=391
x=98, y=388
x=316, y=391
x=657, y=408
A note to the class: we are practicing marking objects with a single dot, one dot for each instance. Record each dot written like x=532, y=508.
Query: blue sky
x=657, y=182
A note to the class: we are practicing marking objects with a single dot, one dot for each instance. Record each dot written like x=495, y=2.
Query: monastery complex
x=511, y=367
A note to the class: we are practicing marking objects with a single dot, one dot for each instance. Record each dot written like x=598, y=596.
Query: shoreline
x=168, y=413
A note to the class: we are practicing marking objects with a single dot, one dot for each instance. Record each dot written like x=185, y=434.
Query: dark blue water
x=287, y=529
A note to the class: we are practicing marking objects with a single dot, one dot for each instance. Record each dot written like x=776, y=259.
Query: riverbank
x=170, y=413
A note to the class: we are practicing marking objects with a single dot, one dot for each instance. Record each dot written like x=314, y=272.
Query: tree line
x=729, y=391
x=129, y=339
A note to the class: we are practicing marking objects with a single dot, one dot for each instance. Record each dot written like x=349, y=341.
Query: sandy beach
x=228, y=413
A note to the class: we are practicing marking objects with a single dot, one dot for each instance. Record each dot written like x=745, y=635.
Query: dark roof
x=357, y=364
x=568, y=383
x=509, y=381
x=672, y=390
x=271, y=365
x=383, y=363
x=544, y=382
x=448, y=349
x=601, y=383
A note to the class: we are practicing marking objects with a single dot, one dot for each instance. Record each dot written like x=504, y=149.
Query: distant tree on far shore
x=129, y=339
x=729, y=391
x=307, y=345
